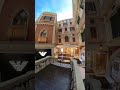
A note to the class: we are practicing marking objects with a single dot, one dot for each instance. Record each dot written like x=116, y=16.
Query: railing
x=26, y=81
x=42, y=63
x=23, y=82
x=77, y=82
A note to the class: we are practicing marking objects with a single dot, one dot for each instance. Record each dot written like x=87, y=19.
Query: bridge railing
x=42, y=63
x=27, y=80
x=77, y=82
x=23, y=82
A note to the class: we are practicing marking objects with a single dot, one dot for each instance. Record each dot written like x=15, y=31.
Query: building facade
x=67, y=37
x=45, y=29
x=79, y=22
x=102, y=41
x=16, y=37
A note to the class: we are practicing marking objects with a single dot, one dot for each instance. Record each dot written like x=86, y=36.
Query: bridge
x=49, y=74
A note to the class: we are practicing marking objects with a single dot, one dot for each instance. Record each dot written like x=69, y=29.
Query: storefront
x=71, y=50
x=43, y=50
x=15, y=64
x=41, y=53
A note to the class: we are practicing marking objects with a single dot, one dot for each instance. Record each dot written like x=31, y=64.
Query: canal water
x=53, y=78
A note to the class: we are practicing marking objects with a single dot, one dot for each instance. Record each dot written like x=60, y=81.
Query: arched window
x=66, y=39
x=43, y=33
x=21, y=18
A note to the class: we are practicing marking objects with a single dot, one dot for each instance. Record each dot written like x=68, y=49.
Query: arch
x=43, y=33
x=21, y=18
x=66, y=39
x=115, y=65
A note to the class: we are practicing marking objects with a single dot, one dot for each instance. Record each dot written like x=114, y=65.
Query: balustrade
x=42, y=63
x=27, y=80
x=76, y=81
x=23, y=82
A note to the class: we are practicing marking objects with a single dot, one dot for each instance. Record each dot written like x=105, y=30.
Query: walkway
x=53, y=78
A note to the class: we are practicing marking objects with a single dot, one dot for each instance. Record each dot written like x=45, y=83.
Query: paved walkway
x=82, y=72
x=53, y=78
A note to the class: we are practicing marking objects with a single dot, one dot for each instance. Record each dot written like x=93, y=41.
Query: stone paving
x=53, y=78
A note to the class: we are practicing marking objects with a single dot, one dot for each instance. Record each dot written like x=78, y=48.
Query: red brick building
x=45, y=31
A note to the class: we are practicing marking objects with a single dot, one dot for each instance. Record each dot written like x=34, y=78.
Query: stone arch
x=115, y=65
x=20, y=17
x=66, y=39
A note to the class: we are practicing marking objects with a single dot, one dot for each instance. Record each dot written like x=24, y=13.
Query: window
x=83, y=36
x=59, y=40
x=72, y=29
x=70, y=23
x=115, y=24
x=65, y=29
x=65, y=24
x=82, y=4
x=93, y=33
x=90, y=6
x=101, y=60
x=59, y=30
x=43, y=33
x=116, y=66
x=43, y=37
x=21, y=18
x=78, y=20
x=59, y=25
x=91, y=21
x=1, y=4
x=66, y=39
x=73, y=39
x=101, y=2
x=48, y=18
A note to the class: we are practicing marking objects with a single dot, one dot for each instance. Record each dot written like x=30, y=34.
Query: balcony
x=42, y=40
x=17, y=32
x=65, y=24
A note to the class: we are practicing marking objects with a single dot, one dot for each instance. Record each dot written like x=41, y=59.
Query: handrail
x=42, y=63
x=24, y=81
x=77, y=82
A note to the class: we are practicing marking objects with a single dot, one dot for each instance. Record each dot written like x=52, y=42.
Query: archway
x=115, y=65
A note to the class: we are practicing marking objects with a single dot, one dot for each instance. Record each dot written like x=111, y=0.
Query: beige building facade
x=102, y=37
x=67, y=38
x=79, y=22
